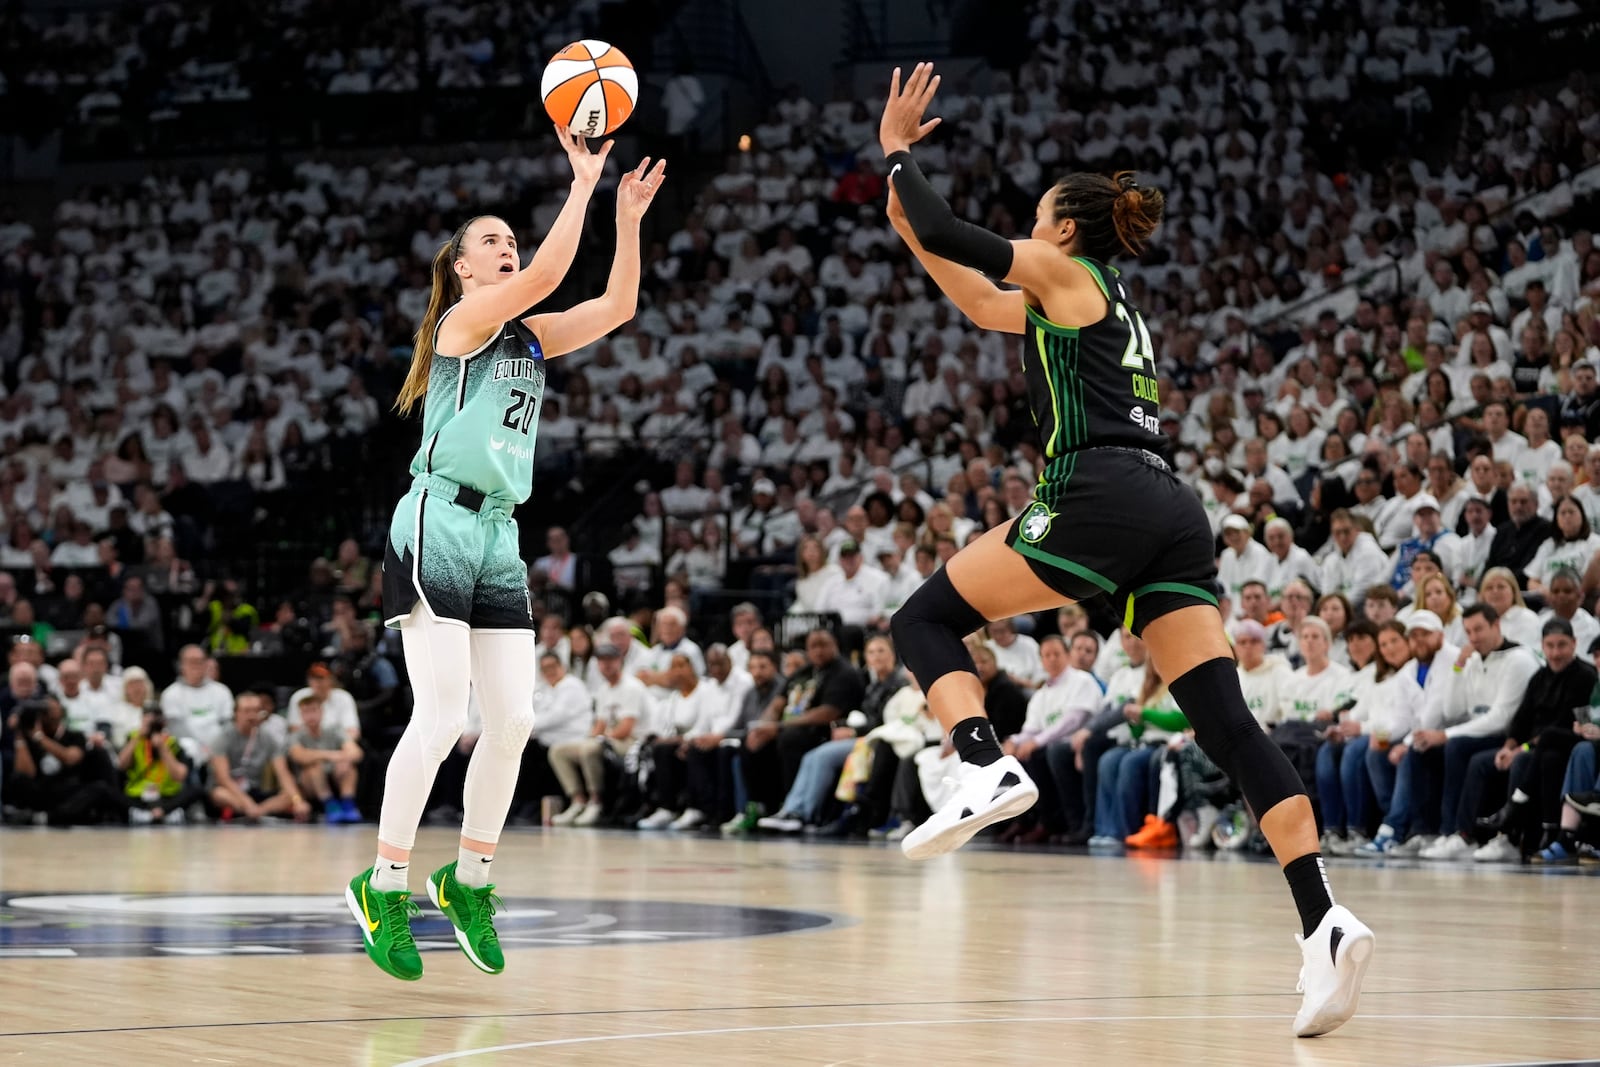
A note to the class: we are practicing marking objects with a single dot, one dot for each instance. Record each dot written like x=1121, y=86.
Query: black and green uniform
x=1108, y=517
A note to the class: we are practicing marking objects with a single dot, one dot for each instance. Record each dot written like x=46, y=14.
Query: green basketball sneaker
x=471, y=912
x=385, y=920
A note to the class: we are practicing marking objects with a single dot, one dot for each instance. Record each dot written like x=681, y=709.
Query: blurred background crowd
x=1375, y=300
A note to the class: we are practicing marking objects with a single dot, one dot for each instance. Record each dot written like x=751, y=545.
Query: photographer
x=45, y=777
x=157, y=789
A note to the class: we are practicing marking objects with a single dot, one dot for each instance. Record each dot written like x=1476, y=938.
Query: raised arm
x=1035, y=265
x=566, y=331
x=986, y=304
x=483, y=310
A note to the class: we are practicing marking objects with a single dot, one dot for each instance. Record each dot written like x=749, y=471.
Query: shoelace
x=491, y=901
x=398, y=911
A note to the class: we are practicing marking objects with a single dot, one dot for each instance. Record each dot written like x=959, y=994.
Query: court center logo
x=1036, y=522
x=97, y=925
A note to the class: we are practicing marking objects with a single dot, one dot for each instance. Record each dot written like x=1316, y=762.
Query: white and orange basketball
x=590, y=88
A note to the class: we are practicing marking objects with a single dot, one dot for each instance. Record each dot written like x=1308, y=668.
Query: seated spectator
x=325, y=759
x=563, y=711
x=157, y=786
x=622, y=713
x=813, y=787
x=336, y=707
x=1356, y=562
x=1570, y=546
x=822, y=688
x=46, y=783
x=244, y=755
x=1124, y=799
x=693, y=710
x=1518, y=539
x=197, y=708
x=1494, y=676
x=1580, y=789
x=1384, y=714
x=1057, y=709
x=1392, y=773
x=1016, y=654
x=560, y=567
x=1530, y=763
x=1517, y=621
x=671, y=626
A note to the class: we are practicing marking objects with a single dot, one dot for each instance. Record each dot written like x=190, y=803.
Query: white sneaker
x=1413, y=846
x=592, y=813
x=569, y=815
x=899, y=832
x=987, y=795
x=140, y=817
x=782, y=823
x=1335, y=959
x=1500, y=850
x=659, y=819
x=1450, y=847
x=689, y=820
x=175, y=818
x=1331, y=843
x=1352, y=842
x=1205, y=822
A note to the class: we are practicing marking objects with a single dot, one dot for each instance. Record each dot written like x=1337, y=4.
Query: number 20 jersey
x=1091, y=386
x=481, y=415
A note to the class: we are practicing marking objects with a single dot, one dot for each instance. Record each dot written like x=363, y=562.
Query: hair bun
x=1125, y=181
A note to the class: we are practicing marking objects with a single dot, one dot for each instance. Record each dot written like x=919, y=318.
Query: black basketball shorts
x=1121, y=525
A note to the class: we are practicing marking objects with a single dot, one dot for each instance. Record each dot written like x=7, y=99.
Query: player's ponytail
x=446, y=291
x=1114, y=215
x=1135, y=212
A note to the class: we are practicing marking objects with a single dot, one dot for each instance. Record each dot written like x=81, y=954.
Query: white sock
x=389, y=876
x=1519, y=797
x=472, y=868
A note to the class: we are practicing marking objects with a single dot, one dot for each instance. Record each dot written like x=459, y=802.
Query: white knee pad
x=504, y=666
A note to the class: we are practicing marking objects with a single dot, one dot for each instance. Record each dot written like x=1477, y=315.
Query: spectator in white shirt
x=622, y=713
x=1394, y=521
x=1289, y=560
x=1016, y=654
x=671, y=625
x=1564, y=594
x=1570, y=546
x=1244, y=560
x=197, y=708
x=1355, y=563
x=339, y=712
x=563, y=709
x=860, y=594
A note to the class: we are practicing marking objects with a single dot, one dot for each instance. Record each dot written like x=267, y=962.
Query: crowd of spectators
x=1378, y=370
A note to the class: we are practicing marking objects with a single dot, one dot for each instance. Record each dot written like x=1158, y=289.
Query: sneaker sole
x=461, y=935
x=367, y=943
x=1591, y=810
x=1014, y=802
x=1356, y=954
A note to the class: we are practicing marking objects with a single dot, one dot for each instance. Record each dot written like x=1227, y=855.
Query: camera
x=158, y=723
x=29, y=712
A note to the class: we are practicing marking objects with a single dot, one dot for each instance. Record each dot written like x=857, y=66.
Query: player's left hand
x=902, y=124
x=638, y=188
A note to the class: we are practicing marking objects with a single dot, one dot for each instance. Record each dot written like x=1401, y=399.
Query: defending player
x=1109, y=518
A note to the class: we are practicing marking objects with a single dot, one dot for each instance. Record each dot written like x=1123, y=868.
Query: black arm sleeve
x=937, y=227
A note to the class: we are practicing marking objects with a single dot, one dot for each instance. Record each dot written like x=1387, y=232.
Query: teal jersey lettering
x=481, y=416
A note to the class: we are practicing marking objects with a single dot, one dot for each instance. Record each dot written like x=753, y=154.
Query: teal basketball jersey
x=481, y=415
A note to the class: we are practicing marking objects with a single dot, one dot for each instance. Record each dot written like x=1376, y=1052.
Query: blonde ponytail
x=446, y=288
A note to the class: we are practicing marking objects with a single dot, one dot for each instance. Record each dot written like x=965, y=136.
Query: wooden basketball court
x=232, y=946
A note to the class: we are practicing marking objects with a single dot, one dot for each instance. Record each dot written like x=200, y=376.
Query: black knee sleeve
x=1212, y=701
x=929, y=629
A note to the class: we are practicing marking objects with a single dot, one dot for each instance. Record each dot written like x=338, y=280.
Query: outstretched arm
x=1033, y=264
x=566, y=331
x=986, y=304
x=483, y=310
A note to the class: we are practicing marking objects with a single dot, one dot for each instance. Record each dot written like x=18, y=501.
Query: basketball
x=590, y=88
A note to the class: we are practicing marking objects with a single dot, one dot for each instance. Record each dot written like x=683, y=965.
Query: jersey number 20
x=1140, y=355
x=519, y=416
